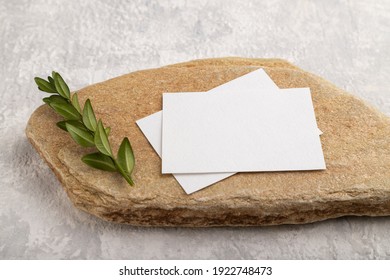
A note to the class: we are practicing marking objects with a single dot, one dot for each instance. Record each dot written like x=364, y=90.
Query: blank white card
x=245, y=132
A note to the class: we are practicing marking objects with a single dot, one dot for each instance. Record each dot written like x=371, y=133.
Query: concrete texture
x=346, y=42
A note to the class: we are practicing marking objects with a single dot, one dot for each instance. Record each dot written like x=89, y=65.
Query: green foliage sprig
x=85, y=129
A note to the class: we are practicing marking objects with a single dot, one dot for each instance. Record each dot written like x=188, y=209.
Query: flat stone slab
x=356, y=145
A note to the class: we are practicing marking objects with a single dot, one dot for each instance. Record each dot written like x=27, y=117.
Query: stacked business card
x=245, y=125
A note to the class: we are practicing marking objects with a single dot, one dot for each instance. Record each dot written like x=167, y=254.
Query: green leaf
x=61, y=87
x=55, y=99
x=101, y=140
x=89, y=118
x=66, y=110
x=108, y=130
x=51, y=81
x=99, y=161
x=75, y=102
x=46, y=100
x=124, y=174
x=62, y=125
x=44, y=85
x=126, y=156
x=81, y=136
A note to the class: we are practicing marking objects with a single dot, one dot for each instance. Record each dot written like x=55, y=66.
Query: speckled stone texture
x=356, y=148
x=345, y=42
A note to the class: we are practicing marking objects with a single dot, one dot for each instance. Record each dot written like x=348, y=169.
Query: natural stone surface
x=355, y=144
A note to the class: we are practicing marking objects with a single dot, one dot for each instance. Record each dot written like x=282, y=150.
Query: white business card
x=253, y=131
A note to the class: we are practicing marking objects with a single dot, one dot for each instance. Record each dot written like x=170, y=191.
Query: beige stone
x=356, y=147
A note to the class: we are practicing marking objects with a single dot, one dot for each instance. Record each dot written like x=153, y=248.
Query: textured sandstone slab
x=355, y=142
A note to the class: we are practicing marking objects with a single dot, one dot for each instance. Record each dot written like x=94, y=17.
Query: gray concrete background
x=346, y=42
